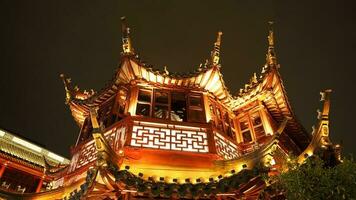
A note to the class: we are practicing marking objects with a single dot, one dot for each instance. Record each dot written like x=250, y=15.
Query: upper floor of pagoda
x=137, y=89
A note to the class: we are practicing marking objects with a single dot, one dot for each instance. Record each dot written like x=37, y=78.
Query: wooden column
x=2, y=170
x=211, y=140
x=133, y=100
x=39, y=186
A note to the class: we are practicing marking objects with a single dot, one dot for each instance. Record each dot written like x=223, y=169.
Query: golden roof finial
x=66, y=82
x=215, y=54
x=270, y=36
x=271, y=56
x=126, y=40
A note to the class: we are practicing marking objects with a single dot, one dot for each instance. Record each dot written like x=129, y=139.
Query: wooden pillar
x=211, y=140
x=2, y=170
x=133, y=100
x=39, y=186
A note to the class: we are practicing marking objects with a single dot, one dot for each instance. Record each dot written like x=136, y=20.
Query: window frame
x=251, y=126
x=188, y=106
x=145, y=102
x=218, y=115
x=153, y=102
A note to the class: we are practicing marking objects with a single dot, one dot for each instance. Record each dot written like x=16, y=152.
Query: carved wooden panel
x=115, y=137
x=169, y=137
x=87, y=154
x=225, y=147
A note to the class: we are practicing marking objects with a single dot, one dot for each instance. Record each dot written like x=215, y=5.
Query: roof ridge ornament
x=165, y=71
x=271, y=59
x=254, y=79
x=66, y=82
x=126, y=40
x=215, y=54
x=325, y=97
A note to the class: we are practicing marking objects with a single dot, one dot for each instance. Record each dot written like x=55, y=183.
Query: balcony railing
x=141, y=132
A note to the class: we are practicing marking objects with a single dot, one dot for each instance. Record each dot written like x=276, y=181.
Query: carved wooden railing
x=115, y=135
x=169, y=135
x=140, y=132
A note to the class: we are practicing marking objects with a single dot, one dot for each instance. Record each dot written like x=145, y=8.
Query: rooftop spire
x=271, y=59
x=66, y=82
x=215, y=54
x=126, y=40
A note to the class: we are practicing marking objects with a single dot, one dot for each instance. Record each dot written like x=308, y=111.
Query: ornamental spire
x=126, y=40
x=271, y=59
x=66, y=82
x=215, y=54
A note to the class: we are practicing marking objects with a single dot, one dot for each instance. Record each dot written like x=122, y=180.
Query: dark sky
x=315, y=44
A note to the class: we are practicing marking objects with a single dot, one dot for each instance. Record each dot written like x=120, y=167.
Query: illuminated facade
x=156, y=134
x=23, y=165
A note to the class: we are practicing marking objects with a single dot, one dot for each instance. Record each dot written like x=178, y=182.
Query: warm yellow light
x=121, y=152
x=206, y=78
x=213, y=82
x=26, y=144
x=2, y=133
x=55, y=157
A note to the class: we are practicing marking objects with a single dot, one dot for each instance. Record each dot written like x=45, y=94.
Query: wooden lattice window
x=178, y=107
x=257, y=125
x=222, y=120
x=161, y=105
x=196, y=108
x=251, y=125
x=245, y=130
x=165, y=104
x=144, y=102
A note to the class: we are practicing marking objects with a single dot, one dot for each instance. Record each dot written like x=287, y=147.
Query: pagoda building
x=157, y=134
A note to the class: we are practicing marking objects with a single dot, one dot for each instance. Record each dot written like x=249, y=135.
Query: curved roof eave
x=208, y=79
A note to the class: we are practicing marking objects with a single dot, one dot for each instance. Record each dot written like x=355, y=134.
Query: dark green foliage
x=315, y=180
x=182, y=190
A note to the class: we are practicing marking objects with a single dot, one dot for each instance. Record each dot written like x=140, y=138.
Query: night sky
x=315, y=45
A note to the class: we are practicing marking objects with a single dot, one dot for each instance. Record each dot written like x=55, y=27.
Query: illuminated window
x=196, y=111
x=144, y=103
x=170, y=105
x=161, y=105
x=257, y=125
x=222, y=120
x=178, y=107
x=251, y=124
x=245, y=130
